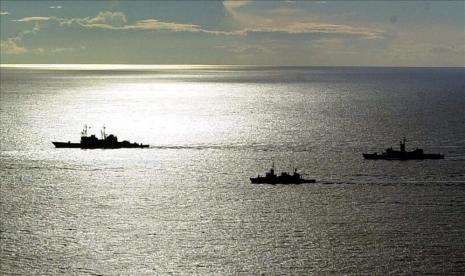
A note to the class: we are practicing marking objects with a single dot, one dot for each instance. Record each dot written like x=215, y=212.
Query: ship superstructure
x=284, y=178
x=402, y=154
x=92, y=142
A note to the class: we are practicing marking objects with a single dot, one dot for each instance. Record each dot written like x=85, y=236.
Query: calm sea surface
x=186, y=205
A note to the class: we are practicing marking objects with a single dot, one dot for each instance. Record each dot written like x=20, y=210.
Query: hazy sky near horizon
x=348, y=33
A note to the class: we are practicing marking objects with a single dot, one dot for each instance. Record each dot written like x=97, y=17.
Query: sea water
x=186, y=205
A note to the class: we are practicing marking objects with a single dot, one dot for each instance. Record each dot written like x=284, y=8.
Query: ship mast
x=104, y=136
x=402, y=145
x=84, y=131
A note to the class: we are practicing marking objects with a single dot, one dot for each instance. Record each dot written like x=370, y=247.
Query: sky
x=302, y=33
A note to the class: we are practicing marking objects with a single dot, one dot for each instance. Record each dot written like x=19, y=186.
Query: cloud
x=11, y=48
x=118, y=21
x=62, y=50
x=154, y=24
x=115, y=21
x=33, y=19
x=247, y=49
x=55, y=7
x=265, y=33
x=4, y=13
x=23, y=33
x=444, y=50
x=291, y=21
x=232, y=5
x=321, y=29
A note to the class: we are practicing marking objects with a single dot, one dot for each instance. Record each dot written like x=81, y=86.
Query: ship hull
x=374, y=156
x=101, y=146
x=270, y=181
x=66, y=145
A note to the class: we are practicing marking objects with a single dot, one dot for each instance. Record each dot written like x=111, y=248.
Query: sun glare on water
x=113, y=66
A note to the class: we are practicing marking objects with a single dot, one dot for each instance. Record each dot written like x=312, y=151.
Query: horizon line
x=118, y=66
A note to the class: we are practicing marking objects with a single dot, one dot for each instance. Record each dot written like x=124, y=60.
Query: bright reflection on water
x=186, y=206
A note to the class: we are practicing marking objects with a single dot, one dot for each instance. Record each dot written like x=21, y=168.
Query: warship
x=92, y=142
x=285, y=178
x=391, y=154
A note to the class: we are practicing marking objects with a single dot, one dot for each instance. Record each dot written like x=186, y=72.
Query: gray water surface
x=186, y=205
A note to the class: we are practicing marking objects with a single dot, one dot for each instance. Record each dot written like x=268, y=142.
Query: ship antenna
x=402, y=144
x=104, y=136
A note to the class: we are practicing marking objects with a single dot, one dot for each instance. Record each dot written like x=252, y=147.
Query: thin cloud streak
x=33, y=19
x=319, y=28
x=114, y=21
x=118, y=21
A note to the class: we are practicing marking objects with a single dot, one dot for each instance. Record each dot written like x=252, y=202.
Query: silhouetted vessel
x=391, y=154
x=285, y=178
x=92, y=142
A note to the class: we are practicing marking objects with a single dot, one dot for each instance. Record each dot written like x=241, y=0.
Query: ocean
x=186, y=205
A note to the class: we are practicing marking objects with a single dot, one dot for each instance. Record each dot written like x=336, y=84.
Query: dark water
x=185, y=205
